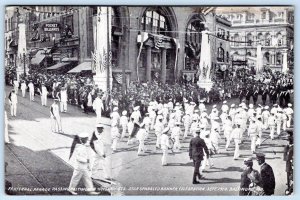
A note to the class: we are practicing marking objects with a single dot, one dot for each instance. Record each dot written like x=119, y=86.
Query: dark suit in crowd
x=267, y=179
x=196, y=152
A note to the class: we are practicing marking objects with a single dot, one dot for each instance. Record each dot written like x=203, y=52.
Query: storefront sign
x=51, y=27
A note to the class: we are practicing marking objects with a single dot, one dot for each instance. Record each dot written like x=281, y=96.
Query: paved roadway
x=38, y=158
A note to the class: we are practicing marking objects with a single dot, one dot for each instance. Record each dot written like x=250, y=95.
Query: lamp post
x=53, y=38
x=45, y=53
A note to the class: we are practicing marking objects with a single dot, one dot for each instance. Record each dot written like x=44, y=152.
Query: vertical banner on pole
x=102, y=53
x=21, y=50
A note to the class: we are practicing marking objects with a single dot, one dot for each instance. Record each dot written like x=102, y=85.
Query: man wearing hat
x=141, y=136
x=245, y=180
x=124, y=123
x=196, y=152
x=232, y=113
x=98, y=144
x=165, y=145
x=175, y=135
x=13, y=101
x=279, y=119
x=82, y=165
x=31, y=91
x=267, y=177
x=253, y=133
x=55, y=117
x=158, y=129
x=115, y=116
x=98, y=107
x=201, y=106
x=187, y=124
x=43, y=92
x=265, y=116
x=224, y=107
x=136, y=115
x=23, y=88
x=237, y=135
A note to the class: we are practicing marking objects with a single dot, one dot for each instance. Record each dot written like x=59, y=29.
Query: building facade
x=270, y=27
x=147, y=43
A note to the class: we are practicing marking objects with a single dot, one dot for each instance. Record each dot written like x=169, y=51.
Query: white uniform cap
x=124, y=112
x=202, y=126
x=224, y=101
x=266, y=107
x=232, y=105
x=250, y=105
x=83, y=135
x=115, y=108
x=136, y=108
x=290, y=105
x=214, y=106
x=99, y=125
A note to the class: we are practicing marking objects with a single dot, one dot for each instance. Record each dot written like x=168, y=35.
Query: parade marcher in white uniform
x=259, y=129
x=251, y=111
x=13, y=101
x=194, y=127
x=23, y=88
x=55, y=117
x=115, y=117
x=214, y=112
x=152, y=116
x=158, y=129
x=201, y=106
x=258, y=110
x=265, y=116
x=124, y=123
x=115, y=135
x=205, y=135
x=187, y=124
x=31, y=91
x=147, y=123
x=272, y=125
x=136, y=115
x=141, y=136
x=232, y=113
x=215, y=137
x=82, y=164
x=274, y=109
x=100, y=158
x=225, y=107
x=175, y=135
x=165, y=145
x=279, y=120
x=98, y=107
x=43, y=92
x=237, y=135
x=289, y=112
x=16, y=85
x=63, y=98
x=228, y=131
x=284, y=119
x=253, y=133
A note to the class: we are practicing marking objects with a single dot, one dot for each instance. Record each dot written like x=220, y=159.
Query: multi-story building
x=147, y=43
x=271, y=27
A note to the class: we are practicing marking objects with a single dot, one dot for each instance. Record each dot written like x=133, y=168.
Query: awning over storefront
x=38, y=58
x=58, y=65
x=85, y=66
x=72, y=59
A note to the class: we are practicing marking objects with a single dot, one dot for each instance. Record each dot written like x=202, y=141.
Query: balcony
x=250, y=21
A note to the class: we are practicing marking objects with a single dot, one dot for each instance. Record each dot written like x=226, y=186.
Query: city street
x=39, y=159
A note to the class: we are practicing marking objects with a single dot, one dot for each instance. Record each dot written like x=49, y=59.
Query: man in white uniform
x=55, y=117
x=82, y=164
x=31, y=91
x=98, y=107
x=23, y=88
x=43, y=93
x=13, y=100
x=63, y=99
x=165, y=145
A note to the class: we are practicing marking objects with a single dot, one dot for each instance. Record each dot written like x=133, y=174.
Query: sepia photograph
x=149, y=100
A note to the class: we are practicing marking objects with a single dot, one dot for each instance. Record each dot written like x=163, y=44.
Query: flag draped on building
x=284, y=62
x=140, y=39
x=102, y=54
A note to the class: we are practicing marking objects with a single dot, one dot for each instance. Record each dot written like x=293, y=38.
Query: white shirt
x=98, y=105
x=55, y=110
x=164, y=141
x=63, y=96
x=82, y=156
x=31, y=87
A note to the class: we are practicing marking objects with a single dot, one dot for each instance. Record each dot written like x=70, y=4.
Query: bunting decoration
x=158, y=42
x=141, y=39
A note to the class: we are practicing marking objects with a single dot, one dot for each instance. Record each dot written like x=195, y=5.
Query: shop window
x=155, y=22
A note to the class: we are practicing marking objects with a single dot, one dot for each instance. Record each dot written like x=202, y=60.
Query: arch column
x=163, y=65
x=148, y=63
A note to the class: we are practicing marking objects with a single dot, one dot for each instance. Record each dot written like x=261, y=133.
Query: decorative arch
x=267, y=39
x=267, y=58
x=169, y=15
x=249, y=37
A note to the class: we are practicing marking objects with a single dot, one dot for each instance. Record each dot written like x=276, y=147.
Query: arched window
x=153, y=21
x=249, y=39
x=279, y=58
x=236, y=39
x=267, y=39
x=260, y=39
x=267, y=58
x=220, y=54
x=279, y=39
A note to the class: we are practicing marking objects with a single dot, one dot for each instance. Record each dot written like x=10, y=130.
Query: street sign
x=239, y=62
x=51, y=27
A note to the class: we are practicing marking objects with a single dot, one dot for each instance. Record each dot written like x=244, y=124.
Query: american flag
x=158, y=42
x=118, y=77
